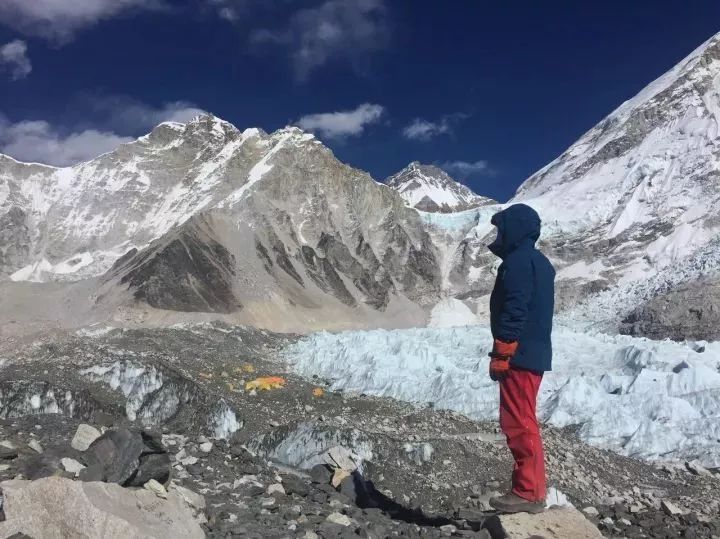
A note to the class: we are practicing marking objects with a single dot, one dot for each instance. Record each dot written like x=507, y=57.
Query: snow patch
x=225, y=423
x=256, y=173
x=451, y=312
x=94, y=332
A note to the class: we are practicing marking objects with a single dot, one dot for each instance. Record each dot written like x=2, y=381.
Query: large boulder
x=558, y=522
x=130, y=457
x=57, y=507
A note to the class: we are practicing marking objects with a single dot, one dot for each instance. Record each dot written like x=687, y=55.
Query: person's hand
x=499, y=369
x=500, y=357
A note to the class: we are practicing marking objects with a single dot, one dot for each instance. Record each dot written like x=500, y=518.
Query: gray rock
x=590, y=511
x=8, y=453
x=84, y=437
x=94, y=472
x=275, y=488
x=55, y=507
x=206, y=447
x=103, y=419
x=191, y=498
x=339, y=519
x=557, y=522
x=72, y=466
x=155, y=466
x=670, y=508
x=35, y=446
x=157, y=488
x=295, y=485
x=321, y=474
x=348, y=488
x=119, y=453
x=691, y=311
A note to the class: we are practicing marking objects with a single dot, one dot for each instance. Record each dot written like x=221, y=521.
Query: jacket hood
x=516, y=224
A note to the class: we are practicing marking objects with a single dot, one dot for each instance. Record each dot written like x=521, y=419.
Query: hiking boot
x=512, y=503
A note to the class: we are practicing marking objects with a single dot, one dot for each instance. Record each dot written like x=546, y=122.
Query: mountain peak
x=429, y=188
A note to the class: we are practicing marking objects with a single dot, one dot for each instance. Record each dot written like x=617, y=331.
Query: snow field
x=451, y=312
x=641, y=398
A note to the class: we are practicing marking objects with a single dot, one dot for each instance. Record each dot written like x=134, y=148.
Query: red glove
x=500, y=357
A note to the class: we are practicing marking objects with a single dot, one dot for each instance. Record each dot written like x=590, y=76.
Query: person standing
x=521, y=313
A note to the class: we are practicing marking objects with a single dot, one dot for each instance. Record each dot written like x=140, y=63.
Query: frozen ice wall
x=641, y=398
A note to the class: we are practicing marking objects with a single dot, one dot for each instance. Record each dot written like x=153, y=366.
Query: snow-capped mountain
x=430, y=189
x=632, y=209
x=204, y=217
x=75, y=222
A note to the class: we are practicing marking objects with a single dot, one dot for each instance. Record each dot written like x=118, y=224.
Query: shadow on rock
x=366, y=496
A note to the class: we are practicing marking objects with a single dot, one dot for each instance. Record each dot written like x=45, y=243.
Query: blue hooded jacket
x=523, y=300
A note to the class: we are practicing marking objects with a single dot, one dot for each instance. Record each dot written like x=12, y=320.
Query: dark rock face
x=14, y=238
x=118, y=452
x=692, y=311
x=192, y=273
x=362, y=268
x=323, y=274
x=321, y=474
x=129, y=457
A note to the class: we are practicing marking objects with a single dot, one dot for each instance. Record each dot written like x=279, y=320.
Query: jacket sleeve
x=517, y=286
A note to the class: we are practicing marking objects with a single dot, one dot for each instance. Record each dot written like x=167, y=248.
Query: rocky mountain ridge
x=201, y=217
x=272, y=230
x=631, y=210
x=431, y=189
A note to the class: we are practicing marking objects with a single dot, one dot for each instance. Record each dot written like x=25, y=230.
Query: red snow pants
x=518, y=421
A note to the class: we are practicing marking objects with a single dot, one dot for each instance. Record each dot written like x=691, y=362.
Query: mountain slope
x=635, y=200
x=431, y=189
x=79, y=220
x=266, y=227
x=210, y=219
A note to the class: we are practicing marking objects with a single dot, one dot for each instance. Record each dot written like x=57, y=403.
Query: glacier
x=657, y=400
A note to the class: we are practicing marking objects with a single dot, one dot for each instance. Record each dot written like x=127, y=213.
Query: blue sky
x=492, y=90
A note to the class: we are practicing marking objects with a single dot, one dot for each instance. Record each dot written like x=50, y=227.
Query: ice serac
x=632, y=209
x=431, y=189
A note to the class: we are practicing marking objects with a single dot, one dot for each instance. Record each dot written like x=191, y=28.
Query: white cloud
x=425, y=130
x=39, y=141
x=420, y=129
x=335, y=30
x=59, y=20
x=342, y=124
x=229, y=9
x=463, y=169
x=228, y=13
x=129, y=115
x=14, y=58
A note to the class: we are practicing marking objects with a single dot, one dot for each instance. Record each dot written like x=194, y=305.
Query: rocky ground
x=424, y=472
